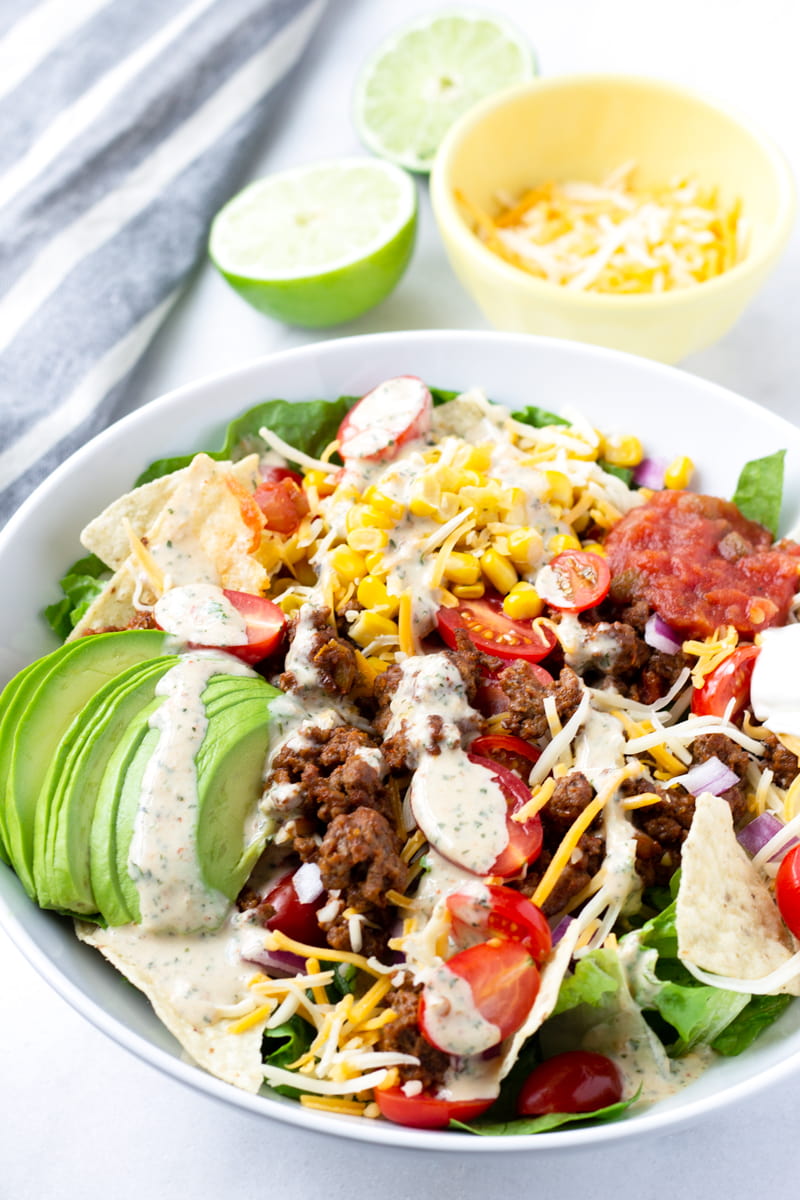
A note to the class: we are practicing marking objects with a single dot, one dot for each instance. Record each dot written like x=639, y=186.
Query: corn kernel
x=559, y=489
x=425, y=497
x=347, y=564
x=383, y=503
x=525, y=548
x=622, y=450
x=370, y=625
x=364, y=516
x=304, y=573
x=523, y=602
x=469, y=591
x=560, y=542
x=290, y=604
x=499, y=571
x=484, y=500
x=678, y=473
x=514, y=505
x=364, y=540
x=596, y=548
x=372, y=593
x=323, y=482
x=462, y=568
x=375, y=562
x=475, y=458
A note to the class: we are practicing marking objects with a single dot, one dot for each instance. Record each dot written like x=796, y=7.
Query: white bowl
x=672, y=412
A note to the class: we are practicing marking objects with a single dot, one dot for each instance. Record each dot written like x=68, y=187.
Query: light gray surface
x=81, y=1118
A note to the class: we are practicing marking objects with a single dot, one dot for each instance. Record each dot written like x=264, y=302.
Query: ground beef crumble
x=402, y=1036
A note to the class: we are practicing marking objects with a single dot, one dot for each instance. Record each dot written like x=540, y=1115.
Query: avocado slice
x=108, y=862
x=230, y=774
x=39, y=715
x=66, y=805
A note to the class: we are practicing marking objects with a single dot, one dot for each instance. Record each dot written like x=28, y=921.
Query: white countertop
x=81, y=1118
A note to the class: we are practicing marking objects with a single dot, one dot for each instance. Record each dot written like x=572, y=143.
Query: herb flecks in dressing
x=202, y=614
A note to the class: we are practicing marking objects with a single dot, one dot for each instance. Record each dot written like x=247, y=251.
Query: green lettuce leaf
x=759, y=491
x=593, y=982
x=83, y=582
x=623, y=473
x=538, y=417
x=543, y=1123
x=755, y=1017
x=284, y=1044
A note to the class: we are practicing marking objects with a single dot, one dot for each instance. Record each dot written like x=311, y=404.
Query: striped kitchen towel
x=124, y=126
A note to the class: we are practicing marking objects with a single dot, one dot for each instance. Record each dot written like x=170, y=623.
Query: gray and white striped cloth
x=124, y=126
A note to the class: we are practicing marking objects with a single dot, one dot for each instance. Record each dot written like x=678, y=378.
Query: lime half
x=321, y=244
x=422, y=78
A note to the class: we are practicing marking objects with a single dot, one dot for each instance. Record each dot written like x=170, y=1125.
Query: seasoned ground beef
x=335, y=660
x=526, y=696
x=615, y=655
x=359, y=856
x=780, y=761
x=717, y=745
x=402, y=1036
x=571, y=795
x=139, y=620
x=661, y=830
x=333, y=772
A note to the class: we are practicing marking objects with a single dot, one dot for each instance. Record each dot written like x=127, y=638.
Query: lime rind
x=427, y=74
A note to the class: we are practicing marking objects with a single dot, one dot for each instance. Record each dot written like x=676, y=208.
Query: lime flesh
x=318, y=245
x=425, y=77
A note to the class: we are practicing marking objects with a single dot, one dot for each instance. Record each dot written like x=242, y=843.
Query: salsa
x=700, y=564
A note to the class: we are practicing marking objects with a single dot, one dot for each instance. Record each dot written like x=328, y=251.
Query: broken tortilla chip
x=200, y=535
x=726, y=919
x=234, y=1057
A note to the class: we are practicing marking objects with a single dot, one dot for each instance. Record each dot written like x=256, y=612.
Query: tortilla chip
x=234, y=1057
x=553, y=973
x=106, y=535
x=201, y=535
x=726, y=919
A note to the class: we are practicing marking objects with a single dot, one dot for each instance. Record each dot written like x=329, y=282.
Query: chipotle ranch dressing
x=460, y=808
x=163, y=859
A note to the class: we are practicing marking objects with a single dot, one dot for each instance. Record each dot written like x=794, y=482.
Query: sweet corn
x=363, y=540
x=595, y=548
x=347, y=563
x=426, y=497
x=678, y=473
x=523, y=602
x=469, y=591
x=383, y=503
x=484, y=500
x=560, y=542
x=475, y=458
x=499, y=571
x=375, y=562
x=462, y=568
x=558, y=489
x=370, y=625
x=324, y=484
x=622, y=450
x=525, y=548
x=364, y=516
x=290, y=604
x=372, y=593
x=513, y=505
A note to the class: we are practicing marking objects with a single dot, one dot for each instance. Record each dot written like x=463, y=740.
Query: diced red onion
x=709, y=776
x=650, y=473
x=661, y=636
x=762, y=830
x=279, y=963
x=557, y=933
x=307, y=883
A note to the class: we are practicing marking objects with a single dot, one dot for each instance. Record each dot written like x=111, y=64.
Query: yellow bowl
x=582, y=127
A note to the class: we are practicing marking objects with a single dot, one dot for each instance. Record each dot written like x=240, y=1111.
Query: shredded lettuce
x=759, y=492
x=83, y=582
x=284, y=1044
x=538, y=417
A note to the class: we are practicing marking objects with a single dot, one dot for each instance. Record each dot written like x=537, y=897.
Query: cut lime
x=321, y=244
x=425, y=76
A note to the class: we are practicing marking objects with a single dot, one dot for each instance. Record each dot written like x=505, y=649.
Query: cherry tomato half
x=491, y=631
x=787, y=889
x=503, y=913
x=270, y=474
x=265, y=625
x=504, y=982
x=283, y=503
x=524, y=837
x=574, y=1082
x=729, y=681
x=291, y=916
x=395, y=412
x=507, y=750
x=581, y=580
x=425, y=1111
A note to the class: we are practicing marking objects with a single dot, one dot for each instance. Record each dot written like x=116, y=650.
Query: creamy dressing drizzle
x=201, y=613
x=460, y=809
x=163, y=858
x=453, y=1021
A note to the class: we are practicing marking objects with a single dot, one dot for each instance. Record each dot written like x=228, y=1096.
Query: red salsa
x=700, y=564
